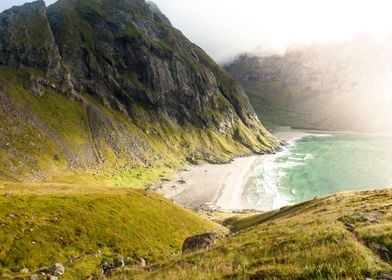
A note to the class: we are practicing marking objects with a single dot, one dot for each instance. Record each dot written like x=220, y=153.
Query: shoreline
x=218, y=186
x=208, y=186
x=230, y=196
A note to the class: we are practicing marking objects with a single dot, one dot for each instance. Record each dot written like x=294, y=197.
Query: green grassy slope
x=81, y=230
x=306, y=241
x=51, y=137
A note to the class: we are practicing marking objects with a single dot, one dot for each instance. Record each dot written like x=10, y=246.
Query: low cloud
x=225, y=28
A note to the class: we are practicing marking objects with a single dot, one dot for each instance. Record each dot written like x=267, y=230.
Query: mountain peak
x=26, y=38
x=156, y=12
x=38, y=4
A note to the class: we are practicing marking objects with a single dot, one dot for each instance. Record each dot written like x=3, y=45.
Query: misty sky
x=225, y=28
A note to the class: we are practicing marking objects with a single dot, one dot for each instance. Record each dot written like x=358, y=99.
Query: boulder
x=142, y=263
x=203, y=241
x=349, y=226
x=118, y=264
x=56, y=269
x=385, y=276
x=11, y=215
x=383, y=252
x=24, y=270
x=106, y=268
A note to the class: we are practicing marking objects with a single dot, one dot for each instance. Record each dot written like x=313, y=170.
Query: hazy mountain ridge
x=113, y=84
x=342, y=85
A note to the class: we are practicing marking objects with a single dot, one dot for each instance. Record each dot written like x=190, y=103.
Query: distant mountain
x=336, y=86
x=112, y=86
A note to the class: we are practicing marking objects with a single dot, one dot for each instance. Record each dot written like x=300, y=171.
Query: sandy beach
x=216, y=186
x=209, y=184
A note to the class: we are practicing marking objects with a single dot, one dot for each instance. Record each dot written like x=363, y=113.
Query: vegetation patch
x=305, y=241
x=81, y=230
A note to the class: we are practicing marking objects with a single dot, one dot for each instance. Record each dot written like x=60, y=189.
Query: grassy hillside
x=52, y=137
x=80, y=230
x=335, y=237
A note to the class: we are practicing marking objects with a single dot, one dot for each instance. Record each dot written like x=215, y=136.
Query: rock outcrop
x=202, y=241
x=26, y=38
x=127, y=53
x=56, y=269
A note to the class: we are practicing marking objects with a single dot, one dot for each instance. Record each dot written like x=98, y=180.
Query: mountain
x=335, y=86
x=99, y=97
x=112, y=86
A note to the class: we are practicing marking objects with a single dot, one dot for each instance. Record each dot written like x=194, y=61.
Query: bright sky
x=225, y=28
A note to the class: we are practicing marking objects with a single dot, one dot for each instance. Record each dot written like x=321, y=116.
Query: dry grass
x=306, y=241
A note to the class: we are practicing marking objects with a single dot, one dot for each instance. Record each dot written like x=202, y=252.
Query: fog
x=225, y=28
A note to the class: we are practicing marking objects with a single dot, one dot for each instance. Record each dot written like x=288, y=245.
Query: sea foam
x=262, y=190
x=317, y=165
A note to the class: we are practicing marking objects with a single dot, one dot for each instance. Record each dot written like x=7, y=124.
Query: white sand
x=216, y=185
x=231, y=187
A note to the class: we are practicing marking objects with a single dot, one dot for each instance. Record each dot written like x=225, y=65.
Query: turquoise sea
x=318, y=165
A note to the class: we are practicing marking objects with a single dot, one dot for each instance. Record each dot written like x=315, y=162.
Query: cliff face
x=112, y=83
x=344, y=85
x=127, y=53
x=26, y=38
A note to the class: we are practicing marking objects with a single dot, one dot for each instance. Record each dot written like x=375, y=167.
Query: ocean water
x=318, y=165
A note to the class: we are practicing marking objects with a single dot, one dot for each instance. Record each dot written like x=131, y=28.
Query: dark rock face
x=127, y=53
x=26, y=38
x=203, y=241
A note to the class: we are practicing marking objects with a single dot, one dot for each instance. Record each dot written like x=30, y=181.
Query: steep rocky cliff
x=342, y=85
x=26, y=38
x=112, y=86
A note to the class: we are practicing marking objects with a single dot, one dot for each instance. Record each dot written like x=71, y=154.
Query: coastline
x=217, y=186
x=208, y=185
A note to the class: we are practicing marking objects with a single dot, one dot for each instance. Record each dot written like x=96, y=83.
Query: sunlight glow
x=226, y=27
